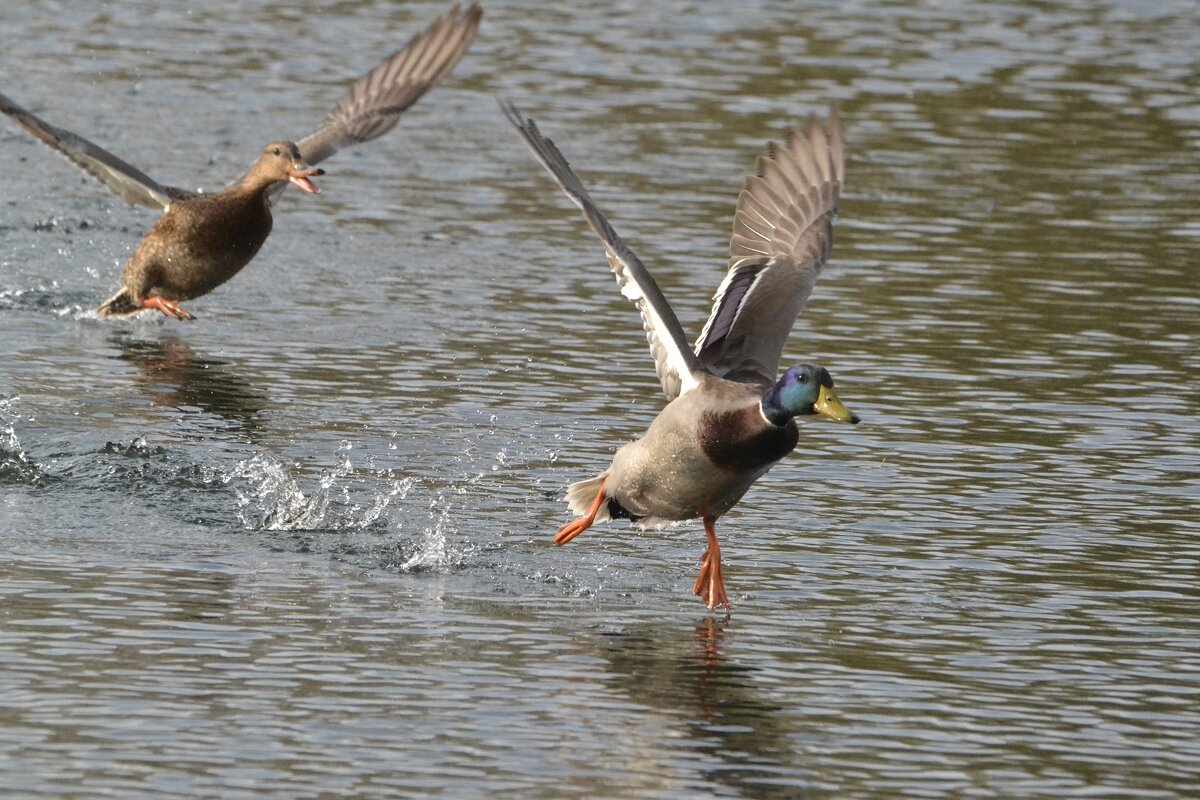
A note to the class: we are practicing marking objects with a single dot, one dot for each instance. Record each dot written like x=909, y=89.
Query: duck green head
x=804, y=390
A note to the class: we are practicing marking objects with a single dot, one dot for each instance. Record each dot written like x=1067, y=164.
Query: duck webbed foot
x=709, y=586
x=577, y=526
x=168, y=307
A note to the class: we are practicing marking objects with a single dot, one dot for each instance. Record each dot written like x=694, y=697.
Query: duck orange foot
x=709, y=586
x=577, y=526
x=168, y=307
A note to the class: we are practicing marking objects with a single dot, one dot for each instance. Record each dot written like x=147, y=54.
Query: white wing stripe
x=719, y=299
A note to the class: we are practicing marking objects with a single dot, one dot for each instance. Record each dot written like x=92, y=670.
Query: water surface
x=300, y=547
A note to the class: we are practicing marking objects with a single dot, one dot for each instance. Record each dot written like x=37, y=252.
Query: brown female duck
x=729, y=419
x=203, y=240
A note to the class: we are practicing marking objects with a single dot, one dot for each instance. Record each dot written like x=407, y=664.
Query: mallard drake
x=728, y=419
x=203, y=240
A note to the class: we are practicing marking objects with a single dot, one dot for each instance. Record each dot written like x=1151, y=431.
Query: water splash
x=15, y=466
x=270, y=498
x=348, y=500
x=138, y=448
x=433, y=554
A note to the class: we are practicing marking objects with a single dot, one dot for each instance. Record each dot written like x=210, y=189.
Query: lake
x=300, y=547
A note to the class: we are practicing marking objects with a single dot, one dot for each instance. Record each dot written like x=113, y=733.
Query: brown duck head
x=281, y=161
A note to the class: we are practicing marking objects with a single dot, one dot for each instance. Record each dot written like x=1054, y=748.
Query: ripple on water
x=300, y=548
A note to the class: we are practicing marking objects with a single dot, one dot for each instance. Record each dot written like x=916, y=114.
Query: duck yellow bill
x=829, y=406
x=300, y=173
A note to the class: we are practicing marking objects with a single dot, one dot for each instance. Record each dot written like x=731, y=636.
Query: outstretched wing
x=127, y=181
x=782, y=235
x=374, y=103
x=673, y=361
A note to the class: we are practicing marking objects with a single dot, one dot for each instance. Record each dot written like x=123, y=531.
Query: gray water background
x=300, y=547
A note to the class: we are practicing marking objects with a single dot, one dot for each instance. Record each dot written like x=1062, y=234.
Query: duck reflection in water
x=172, y=375
x=687, y=674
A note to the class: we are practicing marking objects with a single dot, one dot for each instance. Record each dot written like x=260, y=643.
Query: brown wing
x=125, y=180
x=374, y=103
x=782, y=235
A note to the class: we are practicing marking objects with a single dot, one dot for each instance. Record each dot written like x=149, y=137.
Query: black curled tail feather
x=618, y=511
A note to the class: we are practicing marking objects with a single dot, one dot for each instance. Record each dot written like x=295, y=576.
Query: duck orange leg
x=577, y=526
x=709, y=585
x=168, y=307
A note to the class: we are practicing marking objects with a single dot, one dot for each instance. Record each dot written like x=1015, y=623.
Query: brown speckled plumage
x=204, y=240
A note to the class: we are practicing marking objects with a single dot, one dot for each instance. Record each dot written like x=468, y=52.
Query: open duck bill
x=300, y=174
x=830, y=407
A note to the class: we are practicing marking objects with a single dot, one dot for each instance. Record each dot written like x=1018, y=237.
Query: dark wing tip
x=511, y=112
x=468, y=22
x=543, y=145
x=518, y=120
x=524, y=125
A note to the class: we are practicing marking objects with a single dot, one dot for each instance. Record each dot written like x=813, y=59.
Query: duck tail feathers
x=581, y=495
x=119, y=305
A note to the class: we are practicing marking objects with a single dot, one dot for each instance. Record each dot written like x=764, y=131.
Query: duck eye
x=802, y=378
x=275, y=151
